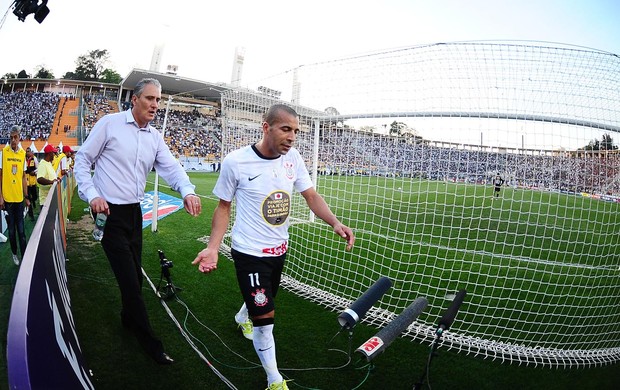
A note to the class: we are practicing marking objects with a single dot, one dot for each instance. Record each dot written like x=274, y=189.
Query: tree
x=43, y=73
x=23, y=75
x=332, y=111
x=9, y=76
x=90, y=66
x=111, y=76
x=397, y=128
x=606, y=143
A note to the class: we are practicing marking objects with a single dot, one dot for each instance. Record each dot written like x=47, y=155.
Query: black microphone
x=448, y=317
x=349, y=318
x=378, y=343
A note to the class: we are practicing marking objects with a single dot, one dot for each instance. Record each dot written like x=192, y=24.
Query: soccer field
x=309, y=351
x=538, y=266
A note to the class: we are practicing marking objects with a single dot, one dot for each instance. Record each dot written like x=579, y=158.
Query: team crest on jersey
x=290, y=172
x=14, y=169
x=260, y=299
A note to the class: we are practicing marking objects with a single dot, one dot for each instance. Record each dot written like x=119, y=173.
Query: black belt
x=126, y=206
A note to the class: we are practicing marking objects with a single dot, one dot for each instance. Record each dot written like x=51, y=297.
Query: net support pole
x=315, y=160
x=155, y=212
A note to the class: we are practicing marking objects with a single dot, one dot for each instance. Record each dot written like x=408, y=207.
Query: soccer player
x=497, y=184
x=262, y=178
x=13, y=191
x=124, y=148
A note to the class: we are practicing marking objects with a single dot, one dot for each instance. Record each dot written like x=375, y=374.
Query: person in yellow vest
x=14, y=190
x=56, y=161
x=31, y=169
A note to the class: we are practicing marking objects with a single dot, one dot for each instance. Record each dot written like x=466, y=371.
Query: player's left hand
x=192, y=205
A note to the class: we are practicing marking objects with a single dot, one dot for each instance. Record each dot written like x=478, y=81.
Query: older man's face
x=14, y=140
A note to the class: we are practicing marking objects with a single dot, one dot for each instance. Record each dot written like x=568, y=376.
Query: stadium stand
x=33, y=111
x=65, y=122
x=190, y=133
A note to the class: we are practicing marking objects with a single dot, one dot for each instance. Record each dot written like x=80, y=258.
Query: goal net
x=405, y=146
x=192, y=131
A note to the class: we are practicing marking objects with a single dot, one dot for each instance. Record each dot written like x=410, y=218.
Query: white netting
x=404, y=146
x=192, y=131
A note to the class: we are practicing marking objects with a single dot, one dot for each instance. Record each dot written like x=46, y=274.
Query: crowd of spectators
x=33, y=111
x=96, y=106
x=349, y=152
x=190, y=133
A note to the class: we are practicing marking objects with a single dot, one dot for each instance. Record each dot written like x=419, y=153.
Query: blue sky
x=200, y=37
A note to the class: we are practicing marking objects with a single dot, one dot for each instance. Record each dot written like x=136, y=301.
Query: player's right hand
x=206, y=260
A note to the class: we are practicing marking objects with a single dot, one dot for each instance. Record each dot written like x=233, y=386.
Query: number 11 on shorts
x=254, y=281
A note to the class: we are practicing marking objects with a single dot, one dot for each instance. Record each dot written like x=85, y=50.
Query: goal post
x=193, y=135
x=405, y=144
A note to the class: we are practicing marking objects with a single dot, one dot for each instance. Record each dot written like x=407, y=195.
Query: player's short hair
x=139, y=88
x=15, y=129
x=274, y=112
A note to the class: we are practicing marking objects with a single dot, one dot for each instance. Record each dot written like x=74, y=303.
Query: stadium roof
x=172, y=84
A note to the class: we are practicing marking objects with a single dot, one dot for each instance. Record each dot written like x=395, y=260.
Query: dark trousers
x=122, y=243
x=33, y=194
x=15, y=222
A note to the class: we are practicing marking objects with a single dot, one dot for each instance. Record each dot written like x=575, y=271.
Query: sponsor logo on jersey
x=276, y=207
x=277, y=250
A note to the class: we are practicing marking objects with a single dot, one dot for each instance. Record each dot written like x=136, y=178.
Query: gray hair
x=15, y=129
x=139, y=88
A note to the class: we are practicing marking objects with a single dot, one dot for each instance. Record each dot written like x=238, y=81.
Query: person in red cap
x=46, y=175
x=65, y=156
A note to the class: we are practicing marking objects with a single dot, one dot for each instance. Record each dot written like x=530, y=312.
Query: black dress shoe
x=163, y=358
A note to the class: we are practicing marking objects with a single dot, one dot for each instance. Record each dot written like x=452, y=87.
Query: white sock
x=242, y=315
x=265, y=347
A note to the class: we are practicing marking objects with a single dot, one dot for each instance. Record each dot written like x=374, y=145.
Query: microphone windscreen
x=377, y=344
x=448, y=317
x=354, y=313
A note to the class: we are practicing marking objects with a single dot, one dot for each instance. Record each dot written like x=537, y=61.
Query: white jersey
x=263, y=188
